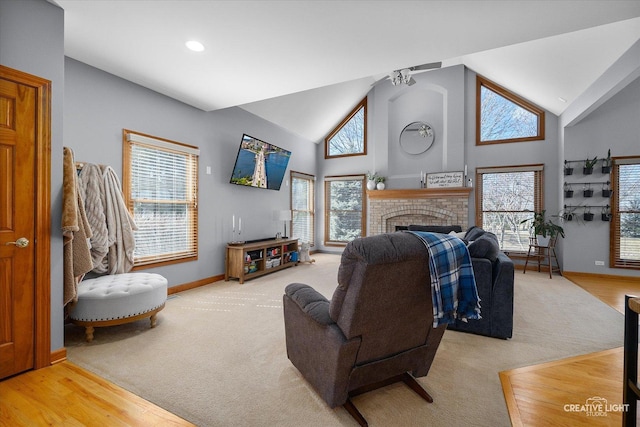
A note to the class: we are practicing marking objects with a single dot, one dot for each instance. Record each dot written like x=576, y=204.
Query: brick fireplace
x=389, y=209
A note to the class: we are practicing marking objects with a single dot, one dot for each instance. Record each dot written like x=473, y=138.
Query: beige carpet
x=218, y=358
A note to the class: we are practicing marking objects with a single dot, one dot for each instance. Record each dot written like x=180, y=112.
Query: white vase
x=380, y=186
x=371, y=185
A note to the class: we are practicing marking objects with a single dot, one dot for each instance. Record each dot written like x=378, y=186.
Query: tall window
x=161, y=190
x=344, y=209
x=302, y=206
x=349, y=138
x=505, y=196
x=502, y=116
x=625, y=224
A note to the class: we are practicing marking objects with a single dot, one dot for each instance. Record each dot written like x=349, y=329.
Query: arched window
x=349, y=138
x=502, y=116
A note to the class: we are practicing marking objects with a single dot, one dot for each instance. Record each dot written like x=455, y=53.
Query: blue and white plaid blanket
x=453, y=285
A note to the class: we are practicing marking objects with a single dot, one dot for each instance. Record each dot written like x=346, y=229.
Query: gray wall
x=614, y=125
x=32, y=41
x=99, y=105
x=446, y=99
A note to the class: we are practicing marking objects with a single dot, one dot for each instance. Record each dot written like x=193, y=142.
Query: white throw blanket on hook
x=113, y=242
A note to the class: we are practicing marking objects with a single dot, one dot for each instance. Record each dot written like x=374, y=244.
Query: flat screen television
x=260, y=164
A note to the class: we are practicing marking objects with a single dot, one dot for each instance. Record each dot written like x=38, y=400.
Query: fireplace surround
x=389, y=209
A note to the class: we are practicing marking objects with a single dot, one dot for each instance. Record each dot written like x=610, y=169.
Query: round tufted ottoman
x=118, y=298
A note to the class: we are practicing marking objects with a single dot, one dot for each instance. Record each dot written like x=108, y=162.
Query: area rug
x=217, y=356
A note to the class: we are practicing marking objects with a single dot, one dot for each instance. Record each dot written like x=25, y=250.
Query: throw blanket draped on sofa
x=453, y=285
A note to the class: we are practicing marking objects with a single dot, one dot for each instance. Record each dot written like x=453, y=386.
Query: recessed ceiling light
x=195, y=46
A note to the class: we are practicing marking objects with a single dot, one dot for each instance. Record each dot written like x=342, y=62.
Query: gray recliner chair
x=376, y=330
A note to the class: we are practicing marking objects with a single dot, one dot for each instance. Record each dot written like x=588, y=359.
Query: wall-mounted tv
x=260, y=164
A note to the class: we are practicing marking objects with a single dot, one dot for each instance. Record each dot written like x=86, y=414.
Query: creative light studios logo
x=596, y=407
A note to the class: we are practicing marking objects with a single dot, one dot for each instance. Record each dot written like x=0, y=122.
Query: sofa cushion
x=473, y=233
x=444, y=229
x=485, y=246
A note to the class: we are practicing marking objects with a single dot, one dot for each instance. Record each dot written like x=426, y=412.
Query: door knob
x=22, y=242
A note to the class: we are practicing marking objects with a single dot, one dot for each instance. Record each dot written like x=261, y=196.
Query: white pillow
x=459, y=235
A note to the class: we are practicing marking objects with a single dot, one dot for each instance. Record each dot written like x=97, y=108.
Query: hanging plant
x=606, y=213
x=587, y=215
x=568, y=170
x=588, y=191
x=606, y=191
x=568, y=191
x=588, y=165
x=606, y=163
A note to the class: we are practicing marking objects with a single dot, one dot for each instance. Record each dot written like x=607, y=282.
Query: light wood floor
x=65, y=394
x=538, y=395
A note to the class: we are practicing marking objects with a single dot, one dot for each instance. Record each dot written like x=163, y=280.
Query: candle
x=233, y=222
x=239, y=224
x=465, y=170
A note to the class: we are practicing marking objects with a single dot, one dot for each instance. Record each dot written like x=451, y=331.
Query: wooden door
x=18, y=135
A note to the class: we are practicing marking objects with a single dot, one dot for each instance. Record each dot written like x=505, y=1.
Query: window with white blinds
x=625, y=222
x=505, y=196
x=161, y=190
x=302, y=207
x=344, y=209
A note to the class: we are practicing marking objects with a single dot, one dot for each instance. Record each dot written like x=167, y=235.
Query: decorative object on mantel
x=445, y=179
x=380, y=182
x=416, y=138
x=371, y=180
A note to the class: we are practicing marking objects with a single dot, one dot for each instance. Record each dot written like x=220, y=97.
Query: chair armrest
x=316, y=345
x=310, y=301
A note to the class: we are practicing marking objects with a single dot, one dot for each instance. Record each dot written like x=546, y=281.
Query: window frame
x=327, y=212
x=361, y=105
x=538, y=195
x=311, y=199
x=131, y=138
x=521, y=102
x=615, y=261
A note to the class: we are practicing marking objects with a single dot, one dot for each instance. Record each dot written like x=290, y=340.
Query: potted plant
x=588, y=191
x=588, y=165
x=587, y=215
x=371, y=180
x=544, y=229
x=606, y=191
x=568, y=191
x=568, y=170
x=606, y=163
x=606, y=213
x=380, y=182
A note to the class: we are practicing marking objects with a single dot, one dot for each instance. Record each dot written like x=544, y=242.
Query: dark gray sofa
x=494, y=273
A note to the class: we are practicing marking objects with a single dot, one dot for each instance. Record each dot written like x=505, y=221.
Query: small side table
x=542, y=253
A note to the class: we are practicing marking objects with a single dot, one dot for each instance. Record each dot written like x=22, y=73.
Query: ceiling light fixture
x=402, y=76
x=195, y=46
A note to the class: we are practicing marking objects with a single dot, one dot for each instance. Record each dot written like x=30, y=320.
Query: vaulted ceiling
x=304, y=64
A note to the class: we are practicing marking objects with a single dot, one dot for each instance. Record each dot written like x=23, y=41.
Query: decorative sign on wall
x=445, y=179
